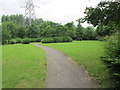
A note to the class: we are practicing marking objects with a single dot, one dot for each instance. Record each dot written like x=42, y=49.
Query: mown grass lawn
x=0, y=66
x=87, y=54
x=23, y=66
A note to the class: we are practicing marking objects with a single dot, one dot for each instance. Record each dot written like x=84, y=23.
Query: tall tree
x=79, y=30
x=71, y=30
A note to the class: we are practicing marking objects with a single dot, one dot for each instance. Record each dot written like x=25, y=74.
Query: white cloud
x=61, y=11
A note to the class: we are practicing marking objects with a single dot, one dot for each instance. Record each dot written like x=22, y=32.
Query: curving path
x=63, y=72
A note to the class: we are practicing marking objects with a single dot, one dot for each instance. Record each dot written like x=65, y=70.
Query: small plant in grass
x=26, y=41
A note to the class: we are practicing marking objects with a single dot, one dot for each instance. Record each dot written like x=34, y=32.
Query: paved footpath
x=63, y=72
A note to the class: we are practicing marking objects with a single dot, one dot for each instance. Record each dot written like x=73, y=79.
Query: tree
x=89, y=33
x=104, y=14
x=106, y=17
x=32, y=31
x=79, y=30
x=71, y=30
x=61, y=30
x=21, y=32
x=6, y=36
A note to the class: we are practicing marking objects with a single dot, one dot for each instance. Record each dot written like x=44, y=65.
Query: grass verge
x=0, y=66
x=24, y=66
x=87, y=54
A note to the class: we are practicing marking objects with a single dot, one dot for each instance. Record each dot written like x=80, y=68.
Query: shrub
x=5, y=42
x=112, y=58
x=26, y=41
x=56, y=39
x=13, y=41
x=68, y=39
x=47, y=40
x=18, y=40
x=103, y=38
x=38, y=39
x=35, y=40
x=32, y=40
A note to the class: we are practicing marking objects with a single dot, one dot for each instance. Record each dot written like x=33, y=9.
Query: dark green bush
x=13, y=41
x=19, y=40
x=26, y=41
x=32, y=39
x=68, y=39
x=112, y=58
x=47, y=40
x=38, y=39
x=5, y=42
x=56, y=39
x=35, y=40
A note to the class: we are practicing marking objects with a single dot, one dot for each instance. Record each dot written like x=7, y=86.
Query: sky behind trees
x=60, y=11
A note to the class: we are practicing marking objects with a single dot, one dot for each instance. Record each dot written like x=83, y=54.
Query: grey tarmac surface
x=63, y=72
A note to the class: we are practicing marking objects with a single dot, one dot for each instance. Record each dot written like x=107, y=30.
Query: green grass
x=24, y=66
x=0, y=66
x=87, y=54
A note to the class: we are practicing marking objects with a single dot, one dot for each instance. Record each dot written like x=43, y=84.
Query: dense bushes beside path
x=43, y=40
x=56, y=39
x=23, y=41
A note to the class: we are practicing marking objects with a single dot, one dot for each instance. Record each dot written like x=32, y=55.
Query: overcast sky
x=60, y=11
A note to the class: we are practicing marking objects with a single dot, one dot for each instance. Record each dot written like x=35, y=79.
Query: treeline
x=105, y=16
x=16, y=26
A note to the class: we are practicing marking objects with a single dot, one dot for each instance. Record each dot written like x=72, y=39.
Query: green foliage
x=106, y=30
x=14, y=28
x=21, y=32
x=103, y=38
x=71, y=30
x=32, y=39
x=67, y=39
x=32, y=31
x=19, y=40
x=13, y=41
x=38, y=39
x=26, y=41
x=6, y=36
x=104, y=13
x=79, y=31
x=104, y=16
x=56, y=39
x=35, y=40
x=89, y=34
x=112, y=58
x=47, y=40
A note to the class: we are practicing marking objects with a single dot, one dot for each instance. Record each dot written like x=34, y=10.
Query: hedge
x=26, y=41
x=13, y=41
x=19, y=40
x=56, y=39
